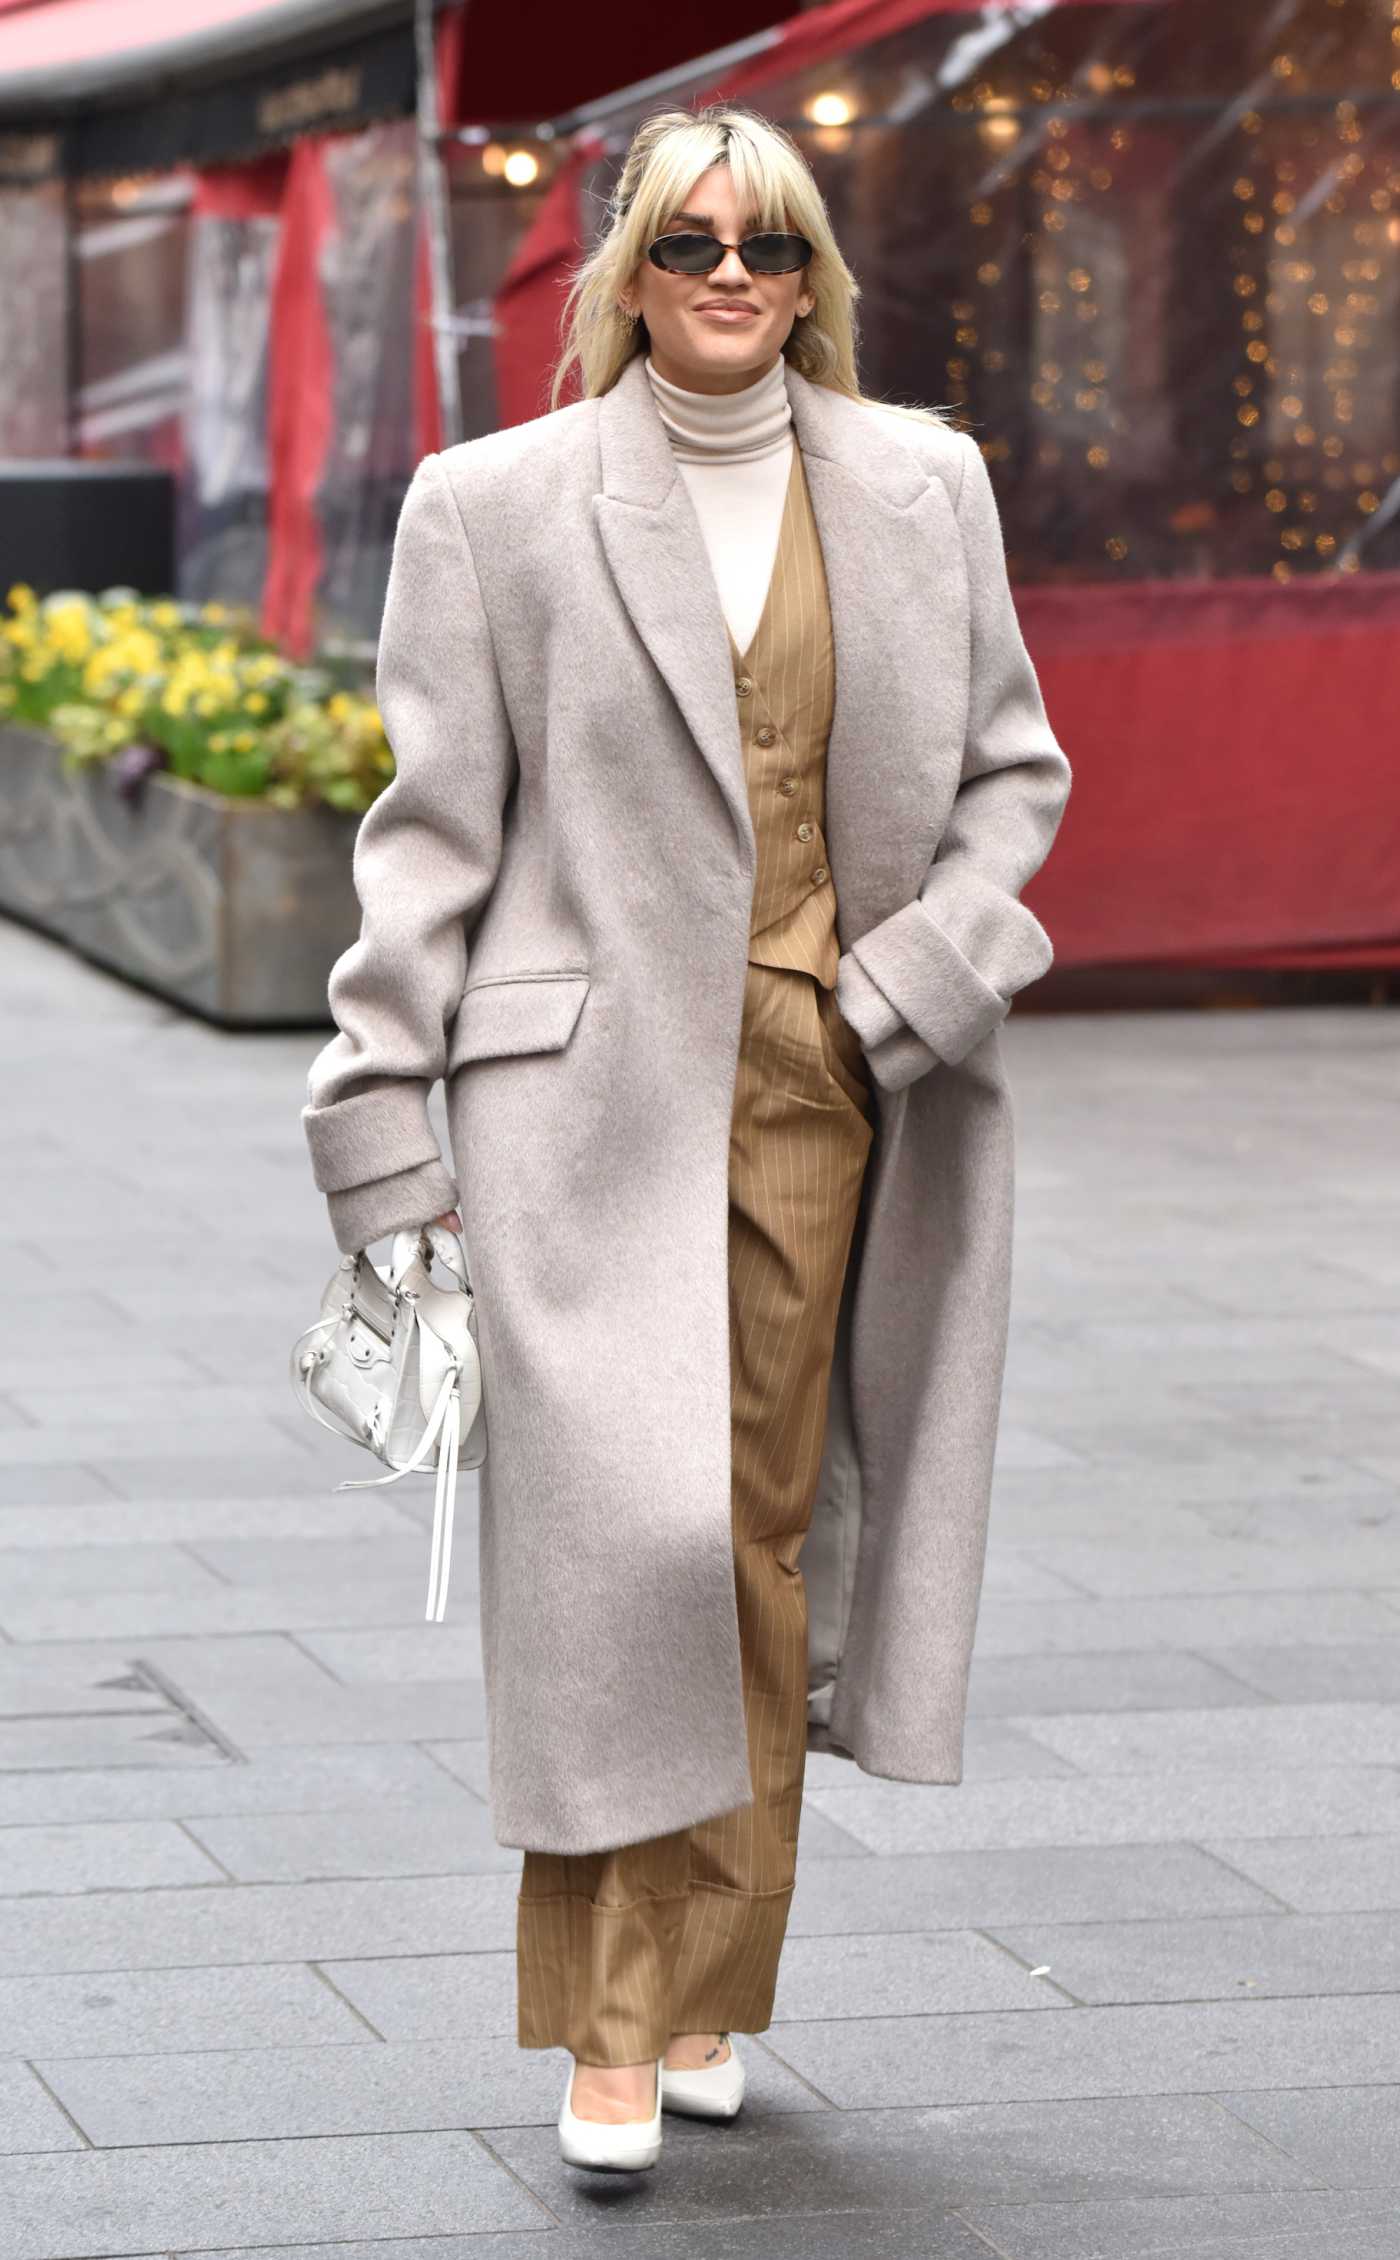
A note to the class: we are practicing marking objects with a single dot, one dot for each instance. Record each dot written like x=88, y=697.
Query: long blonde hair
x=668, y=152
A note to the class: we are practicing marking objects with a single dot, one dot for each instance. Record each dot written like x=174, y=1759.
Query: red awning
x=60, y=52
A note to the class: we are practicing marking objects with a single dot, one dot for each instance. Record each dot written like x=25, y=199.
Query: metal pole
x=433, y=204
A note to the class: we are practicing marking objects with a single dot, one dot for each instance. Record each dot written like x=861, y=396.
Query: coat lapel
x=898, y=609
x=656, y=551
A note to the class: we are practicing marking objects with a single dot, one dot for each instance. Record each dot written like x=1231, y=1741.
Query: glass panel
x=34, y=351
x=1148, y=255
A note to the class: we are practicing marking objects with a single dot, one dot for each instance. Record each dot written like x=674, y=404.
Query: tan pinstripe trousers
x=618, y=1950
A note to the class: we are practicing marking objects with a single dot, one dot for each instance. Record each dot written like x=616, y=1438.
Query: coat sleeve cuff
x=937, y=990
x=900, y=1059
x=864, y=1004
x=894, y=1054
x=365, y=1213
x=377, y=1133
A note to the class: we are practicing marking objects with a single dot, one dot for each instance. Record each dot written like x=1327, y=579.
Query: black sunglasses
x=767, y=253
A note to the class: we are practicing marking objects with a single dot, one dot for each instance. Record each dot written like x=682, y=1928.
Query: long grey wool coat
x=556, y=893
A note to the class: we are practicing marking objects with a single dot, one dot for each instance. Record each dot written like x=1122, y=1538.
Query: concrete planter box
x=234, y=909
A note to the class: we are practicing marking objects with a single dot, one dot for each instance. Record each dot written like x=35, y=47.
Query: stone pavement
x=1133, y=1989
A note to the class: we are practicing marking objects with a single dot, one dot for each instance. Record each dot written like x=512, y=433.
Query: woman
x=720, y=768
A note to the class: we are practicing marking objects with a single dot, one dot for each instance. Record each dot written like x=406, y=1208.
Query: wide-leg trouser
x=617, y=1950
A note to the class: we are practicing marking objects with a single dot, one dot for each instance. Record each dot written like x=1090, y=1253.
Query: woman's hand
x=452, y=1222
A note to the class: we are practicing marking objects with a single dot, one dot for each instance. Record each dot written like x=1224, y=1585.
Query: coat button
x=819, y=875
x=787, y=785
x=744, y=685
x=804, y=831
x=766, y=734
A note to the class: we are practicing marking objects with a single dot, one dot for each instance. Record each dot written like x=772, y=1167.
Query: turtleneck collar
x=725, y=427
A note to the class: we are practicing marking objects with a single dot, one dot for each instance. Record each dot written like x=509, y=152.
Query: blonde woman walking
x=721, y=766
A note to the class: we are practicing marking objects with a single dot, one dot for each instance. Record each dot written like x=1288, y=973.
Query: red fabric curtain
x=1234, y=798
x=300, y=405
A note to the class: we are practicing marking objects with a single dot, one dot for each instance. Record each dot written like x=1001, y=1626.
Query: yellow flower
x=21, y=597
x=256, y=702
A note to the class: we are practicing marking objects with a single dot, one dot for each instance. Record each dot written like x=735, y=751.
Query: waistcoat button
x=804, y=831
x=766, y=734
x=787, y=785
x=819, y=875
x=744, y=685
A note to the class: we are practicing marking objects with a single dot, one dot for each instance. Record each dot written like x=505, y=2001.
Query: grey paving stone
x=431, y=1996
x=920, y=2235
x=1300, y=2225
x=1288, y=1736
x=1182, y=2049
x=1367, y=1670
x=405, y=1654
x=393, y=1599
x=129, y=1402
x=470, y=1764
x=164, y=2199
x=478, y=2079
x=59, y=1681
x=1002, y=1750
x=1282, y=1522
x=227, y=1474
x=101, y=1444
x=339, y=1560
x=29, y=2117
x=265, y=1692
x=35, y=1574
x=1222, y=1468
x=1346, y=2136
x=1121, y=1809
x=1215, y=1957
x=825, y=1839
x=1201, y=1621
x=846, y=2163
x=405, y=1840
x=1225, y=1565
x=101, y=1855
x=125, y=2012
x=107, y=1520
x=25, y=1486
x=1152, y=1680
x=161, y=1739
x=912, y=1973
x=277, y=1781
x=1011, y=1577
x=1053, y=1883
x=266, y=1922
x=1331, y=1875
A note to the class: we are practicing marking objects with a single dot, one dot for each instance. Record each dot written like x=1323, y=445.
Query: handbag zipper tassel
x=444, y=1507
x=447, y=1416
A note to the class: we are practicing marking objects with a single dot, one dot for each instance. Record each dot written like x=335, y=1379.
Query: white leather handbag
x=392, y=1363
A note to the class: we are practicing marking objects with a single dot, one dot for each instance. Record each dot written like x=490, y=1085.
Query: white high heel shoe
x=621, y=2147
x=713, y=2092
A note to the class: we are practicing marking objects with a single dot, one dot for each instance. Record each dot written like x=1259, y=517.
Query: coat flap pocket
x=525, y=1012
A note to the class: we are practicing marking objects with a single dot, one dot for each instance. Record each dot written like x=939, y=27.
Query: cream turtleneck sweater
x=734, y=451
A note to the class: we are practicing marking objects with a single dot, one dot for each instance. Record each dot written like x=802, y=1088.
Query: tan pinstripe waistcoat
x=785, y=685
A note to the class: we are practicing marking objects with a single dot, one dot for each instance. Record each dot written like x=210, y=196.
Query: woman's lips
x=727, y=313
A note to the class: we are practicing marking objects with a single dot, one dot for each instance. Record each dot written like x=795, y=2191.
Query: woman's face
x=721, y=331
